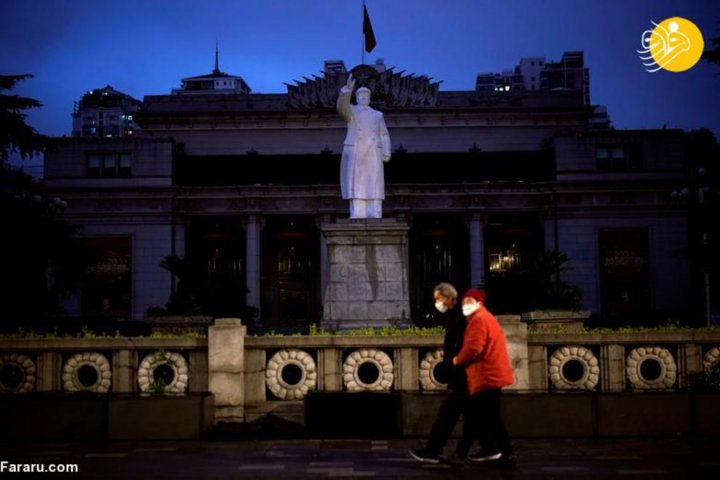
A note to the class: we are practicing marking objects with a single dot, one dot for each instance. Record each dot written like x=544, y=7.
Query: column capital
x=253, y=219
x=476, y=216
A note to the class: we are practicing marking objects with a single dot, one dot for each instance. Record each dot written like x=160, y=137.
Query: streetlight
x=702, y=190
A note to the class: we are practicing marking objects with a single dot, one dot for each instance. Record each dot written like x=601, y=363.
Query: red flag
x=368, y=32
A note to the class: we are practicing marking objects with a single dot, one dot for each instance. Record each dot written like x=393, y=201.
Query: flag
x=368, y=31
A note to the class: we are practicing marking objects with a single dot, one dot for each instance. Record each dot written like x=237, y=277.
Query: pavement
x=676, y=457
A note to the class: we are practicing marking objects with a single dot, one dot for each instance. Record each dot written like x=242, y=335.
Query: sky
x=144, y=47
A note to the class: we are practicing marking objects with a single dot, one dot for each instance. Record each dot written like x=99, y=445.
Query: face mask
x=469, y=309
x=442, y=308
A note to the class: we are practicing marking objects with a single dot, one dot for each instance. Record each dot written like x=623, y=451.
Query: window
x=619, y=158
x=502, y=260
x=108, y=293
x=109, y=165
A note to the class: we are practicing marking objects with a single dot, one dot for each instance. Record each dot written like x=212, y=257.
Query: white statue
x=366, y=147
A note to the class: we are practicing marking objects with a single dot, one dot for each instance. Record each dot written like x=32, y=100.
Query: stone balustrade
x=253, y=375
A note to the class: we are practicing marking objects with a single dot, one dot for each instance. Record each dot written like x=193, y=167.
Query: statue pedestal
x=368, y=274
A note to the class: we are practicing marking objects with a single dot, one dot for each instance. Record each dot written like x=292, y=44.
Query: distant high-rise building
x=536, y=74
x=105, y=112
x=569, y=73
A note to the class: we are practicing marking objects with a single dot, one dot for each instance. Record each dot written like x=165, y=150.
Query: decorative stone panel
x=651, y=368
x=711, y=357
x=429, y=363
x=586, y=366
x=290, y=374
x=87, y=372
x=17, y=373
x=173, y=365
x=375, y=363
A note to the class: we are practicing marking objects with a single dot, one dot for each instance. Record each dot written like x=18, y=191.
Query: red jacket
x=484, y=353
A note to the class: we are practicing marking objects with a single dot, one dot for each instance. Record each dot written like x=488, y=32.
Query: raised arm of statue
x=343, y=101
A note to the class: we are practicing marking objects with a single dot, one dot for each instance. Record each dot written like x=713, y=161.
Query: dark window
x=619, y=158
x=624, y=271
x=109, y=165
x=108, y=293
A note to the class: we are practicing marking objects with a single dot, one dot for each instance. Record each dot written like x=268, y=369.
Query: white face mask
x=442, y=308
x=469, y=309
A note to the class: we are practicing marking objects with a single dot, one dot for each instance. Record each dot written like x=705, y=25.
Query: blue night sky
x=144, y=47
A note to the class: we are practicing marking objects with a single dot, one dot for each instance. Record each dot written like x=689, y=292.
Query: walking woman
x=487, y=365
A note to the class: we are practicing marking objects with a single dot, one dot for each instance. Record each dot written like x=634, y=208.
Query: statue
x=366, y=147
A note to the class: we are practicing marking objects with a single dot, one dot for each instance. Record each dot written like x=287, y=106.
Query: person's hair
x=446, y=290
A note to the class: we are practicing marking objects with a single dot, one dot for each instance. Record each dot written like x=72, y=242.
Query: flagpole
x=362, y=36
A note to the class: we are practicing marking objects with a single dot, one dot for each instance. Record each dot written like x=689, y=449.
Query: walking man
x=445, y=296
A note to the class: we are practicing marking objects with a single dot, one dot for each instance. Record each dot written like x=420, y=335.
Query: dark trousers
x=483, y=422
x=448, y=415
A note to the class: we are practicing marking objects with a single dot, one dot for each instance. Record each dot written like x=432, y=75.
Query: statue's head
x=362, y=95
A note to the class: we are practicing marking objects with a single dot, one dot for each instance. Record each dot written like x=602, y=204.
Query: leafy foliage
x=706, y=381
x=533, y=285
x=15, y=134
x=195, y=295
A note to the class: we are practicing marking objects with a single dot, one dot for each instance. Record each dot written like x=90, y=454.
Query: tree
x=15, y=134
x=712, y=55
x=42, y=256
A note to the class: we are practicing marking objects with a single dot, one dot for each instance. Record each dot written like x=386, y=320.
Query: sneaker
x=484, y=456
x=424, y=456
x=506, y=461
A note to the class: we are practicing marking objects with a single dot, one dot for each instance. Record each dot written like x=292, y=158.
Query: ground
x=677, y=457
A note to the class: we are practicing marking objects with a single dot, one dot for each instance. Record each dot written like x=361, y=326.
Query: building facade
x=238, y=184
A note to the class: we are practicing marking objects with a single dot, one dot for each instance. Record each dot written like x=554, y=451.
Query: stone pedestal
x=367, y=284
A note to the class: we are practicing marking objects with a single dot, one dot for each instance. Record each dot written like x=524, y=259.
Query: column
x=477, y=249
x=252, y=263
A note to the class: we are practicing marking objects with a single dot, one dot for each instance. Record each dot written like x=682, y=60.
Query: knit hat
x=478, y=295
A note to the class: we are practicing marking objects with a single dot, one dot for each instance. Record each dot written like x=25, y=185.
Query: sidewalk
x=538, y=459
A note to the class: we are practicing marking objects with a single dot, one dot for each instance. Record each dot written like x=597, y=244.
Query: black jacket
x=454, y=333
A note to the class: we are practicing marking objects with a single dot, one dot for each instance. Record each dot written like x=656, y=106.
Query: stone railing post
x=125, y=363
x=330, y=363
x=255, y=363
x=538, y=368
x=407, y=371
x=198, y=369
x=49, y=365
x=517, y=343
x=690, y=360
x=612, y=368
x=226, y=368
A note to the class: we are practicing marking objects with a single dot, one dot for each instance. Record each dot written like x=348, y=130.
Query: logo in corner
x=675, y=45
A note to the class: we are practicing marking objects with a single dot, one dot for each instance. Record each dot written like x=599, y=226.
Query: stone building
x=240, y=184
